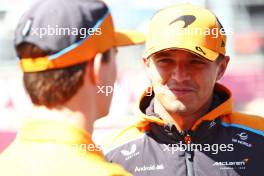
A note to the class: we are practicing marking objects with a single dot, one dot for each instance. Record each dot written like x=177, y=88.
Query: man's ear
x=95, y=67
x=146, y=62
x=222, y=67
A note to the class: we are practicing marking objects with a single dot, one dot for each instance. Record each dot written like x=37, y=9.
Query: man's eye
x=165, y=61
x=197, y=62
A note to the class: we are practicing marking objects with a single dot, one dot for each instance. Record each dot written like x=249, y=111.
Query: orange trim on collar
x=143, y=118
x=251, y=121
x=223, y=109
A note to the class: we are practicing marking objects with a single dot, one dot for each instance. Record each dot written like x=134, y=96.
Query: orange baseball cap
x=186, y=27
x=75, y=31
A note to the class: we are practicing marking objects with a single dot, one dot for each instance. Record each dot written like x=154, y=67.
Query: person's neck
x=182, y=121
x=84, y=103
x=79, y=111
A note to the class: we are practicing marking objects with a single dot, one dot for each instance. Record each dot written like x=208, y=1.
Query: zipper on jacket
x=187, y=139
x=187, y=136
x=189, y=154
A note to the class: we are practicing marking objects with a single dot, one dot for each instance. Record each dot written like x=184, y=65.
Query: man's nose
x=180, y=73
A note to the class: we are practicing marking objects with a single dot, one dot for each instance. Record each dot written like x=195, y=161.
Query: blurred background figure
x=242, y=20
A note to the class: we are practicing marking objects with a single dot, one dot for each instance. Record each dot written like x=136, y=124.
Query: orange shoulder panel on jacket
x=250, y=121
x=126, y=135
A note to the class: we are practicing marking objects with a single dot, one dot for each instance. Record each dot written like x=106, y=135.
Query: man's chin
x=175, y=107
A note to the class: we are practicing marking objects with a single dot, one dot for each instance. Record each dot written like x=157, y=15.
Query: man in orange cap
x=187, y=126
x=67, y=52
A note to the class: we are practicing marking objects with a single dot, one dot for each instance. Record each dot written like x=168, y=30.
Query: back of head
x=50, y=88
x=36, y=37
x=55, y=39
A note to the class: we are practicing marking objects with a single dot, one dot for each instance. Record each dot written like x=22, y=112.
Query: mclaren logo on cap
x=200, y=50
x=187, y=19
